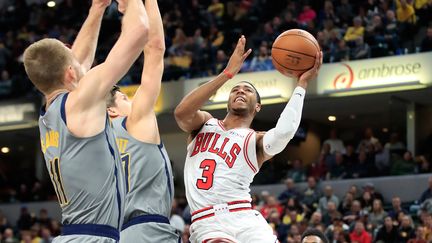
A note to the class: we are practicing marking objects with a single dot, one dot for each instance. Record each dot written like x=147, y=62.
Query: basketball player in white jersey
x=223, y=156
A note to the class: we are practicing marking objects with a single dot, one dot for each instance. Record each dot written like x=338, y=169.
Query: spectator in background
x=423, y=165
x=8, y=236
x=382, y=159
x=370, y=187
x=5, y=55
x=288, y=23
x=428, y=192
x=420, y=235
x=311, y=195
x=44, y=220
x=391, y=31
x=317, y=169
x=341, y=52
x=354, y=32
x=394, y=144
x=46, y=236
x=331, y=213
x=221, y=61
x=315, y=219
x=361, y=49
x=290, y=191
x=396, y=208
x=405, y=12
x=407, y=19
x=388, y=232
x=307, y=15
x=328, y=197
x=426, y=44
x=406, y=229
x=403, y=166
x=243, y=9
x=261, y=61
x=354, y=213
x=329, y=158
x=336, y=144
x=297, y=172
x=270, y=206
x=345, y=205
x=359, y=234
x=345, y=12
x=328, y=13
x=25, y=220
x=368, y=140
x=377, y=215
x=5, y=83
x=216, y=9
x=338, y=170
x=360, y=169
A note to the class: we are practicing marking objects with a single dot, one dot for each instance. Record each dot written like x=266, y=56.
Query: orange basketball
x=294, y=51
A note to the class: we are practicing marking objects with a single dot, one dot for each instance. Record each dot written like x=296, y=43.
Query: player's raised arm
x=188, y=115
x=141, y=122
x=84, y=46
x=276, y=139
x=87, y=101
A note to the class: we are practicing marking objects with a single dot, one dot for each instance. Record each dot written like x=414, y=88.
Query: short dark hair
x=256, y=91
x=111, y=96
x=315, y=232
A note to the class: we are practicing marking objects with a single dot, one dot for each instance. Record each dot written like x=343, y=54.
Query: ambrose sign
x=375, y=73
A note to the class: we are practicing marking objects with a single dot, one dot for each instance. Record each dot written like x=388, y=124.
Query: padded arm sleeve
x=276, y=139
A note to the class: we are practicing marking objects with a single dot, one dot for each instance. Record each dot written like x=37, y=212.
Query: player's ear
x=112, y=112
x=257, y=107
x=69, y=76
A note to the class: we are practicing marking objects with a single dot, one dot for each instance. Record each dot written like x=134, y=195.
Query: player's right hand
x=311, y=73
x=101, y=3
x=121, y=5
x=238, y=57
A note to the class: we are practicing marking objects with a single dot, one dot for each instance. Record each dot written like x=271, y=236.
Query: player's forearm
x=156, y=41
x=192, y=102
x=276, y=139
x=84, y=46
x=135, y=19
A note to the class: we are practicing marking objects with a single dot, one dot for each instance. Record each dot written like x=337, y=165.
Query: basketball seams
x=305, y=36
x=291, y=68
x=280, y=48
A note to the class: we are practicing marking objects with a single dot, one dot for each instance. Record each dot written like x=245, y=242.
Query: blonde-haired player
x=223, y=156
x=76, y=136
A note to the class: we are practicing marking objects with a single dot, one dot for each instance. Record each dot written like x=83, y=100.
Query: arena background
x=373, y=93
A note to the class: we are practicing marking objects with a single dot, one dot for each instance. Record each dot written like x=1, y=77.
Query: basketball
x=293, y=52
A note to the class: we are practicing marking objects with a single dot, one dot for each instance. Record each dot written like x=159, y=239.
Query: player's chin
x=239, y=110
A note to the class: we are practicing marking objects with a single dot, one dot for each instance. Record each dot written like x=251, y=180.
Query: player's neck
x=51, y=96
x=236, y=121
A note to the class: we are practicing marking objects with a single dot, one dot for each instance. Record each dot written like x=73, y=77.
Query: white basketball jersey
x=220, y=165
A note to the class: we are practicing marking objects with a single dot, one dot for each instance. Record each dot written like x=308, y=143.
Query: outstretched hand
x=313, y=72
x=101, y=3
x=238, y=57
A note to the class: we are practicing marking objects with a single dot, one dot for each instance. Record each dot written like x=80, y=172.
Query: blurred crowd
x=361, y=215
x=361, y=157
x=200, y=34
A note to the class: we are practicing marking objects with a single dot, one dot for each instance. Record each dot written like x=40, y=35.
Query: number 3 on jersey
x=206, y=182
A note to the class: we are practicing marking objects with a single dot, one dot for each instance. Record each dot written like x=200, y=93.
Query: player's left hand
x=311, y=73
x=101, y=3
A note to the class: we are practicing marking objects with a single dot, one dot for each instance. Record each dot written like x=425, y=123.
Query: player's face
x=243, y=100
x=311, y=239
x=123, y=105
